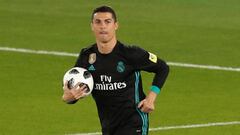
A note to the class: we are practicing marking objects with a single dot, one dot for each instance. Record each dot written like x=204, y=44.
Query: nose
x=102, y=25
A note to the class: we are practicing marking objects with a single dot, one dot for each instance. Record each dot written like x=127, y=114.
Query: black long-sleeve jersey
x=118, y=84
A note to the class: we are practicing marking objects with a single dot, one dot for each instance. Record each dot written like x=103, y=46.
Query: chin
x=104, y=40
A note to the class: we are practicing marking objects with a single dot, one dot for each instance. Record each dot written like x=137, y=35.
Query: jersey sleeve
x=146, y=61
x=82, y=59
x=79, y=62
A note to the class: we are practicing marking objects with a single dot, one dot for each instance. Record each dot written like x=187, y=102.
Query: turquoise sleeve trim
x=155, y=89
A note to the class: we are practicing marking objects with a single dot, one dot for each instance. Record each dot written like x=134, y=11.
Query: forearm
x=151, y=97
x=161, y=74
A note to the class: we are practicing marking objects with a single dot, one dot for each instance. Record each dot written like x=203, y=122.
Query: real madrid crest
x=120, y=67
x=92, y=58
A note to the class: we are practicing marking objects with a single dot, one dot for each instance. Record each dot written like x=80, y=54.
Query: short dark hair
x=105, y=9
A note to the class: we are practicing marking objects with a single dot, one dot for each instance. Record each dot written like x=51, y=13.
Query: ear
x=91, y=26
x=116, y=25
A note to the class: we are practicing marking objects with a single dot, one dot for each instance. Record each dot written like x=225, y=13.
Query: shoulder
x=133, y=53
x=84, y=55
x=131, y=49
x=88, y=49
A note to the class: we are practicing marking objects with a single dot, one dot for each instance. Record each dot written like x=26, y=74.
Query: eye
x=97, y=21
x=108, y=21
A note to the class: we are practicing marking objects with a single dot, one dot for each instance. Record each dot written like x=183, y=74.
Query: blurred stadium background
x=205, y=32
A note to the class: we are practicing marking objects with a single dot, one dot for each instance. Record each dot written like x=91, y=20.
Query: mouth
x=103, y=33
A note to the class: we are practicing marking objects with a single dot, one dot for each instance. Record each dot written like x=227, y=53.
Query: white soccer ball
x=77, y=74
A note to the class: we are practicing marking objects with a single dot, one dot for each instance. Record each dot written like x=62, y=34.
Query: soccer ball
x=77, y=74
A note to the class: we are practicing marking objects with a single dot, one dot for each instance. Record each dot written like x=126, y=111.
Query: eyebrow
x=109, y=19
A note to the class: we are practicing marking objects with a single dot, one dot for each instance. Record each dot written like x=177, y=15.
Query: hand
x=79, y=91
x=67, y=94
x=73, y=94
x=147, y=104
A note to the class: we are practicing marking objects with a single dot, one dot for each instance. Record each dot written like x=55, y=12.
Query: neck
x=106, y=47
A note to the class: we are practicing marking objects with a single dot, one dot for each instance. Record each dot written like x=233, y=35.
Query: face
x=104, y=27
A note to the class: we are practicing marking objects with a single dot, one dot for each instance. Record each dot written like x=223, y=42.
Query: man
x=122, y=105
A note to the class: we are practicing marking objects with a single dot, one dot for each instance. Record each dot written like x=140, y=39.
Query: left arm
x=150, y=63
x=161, y=73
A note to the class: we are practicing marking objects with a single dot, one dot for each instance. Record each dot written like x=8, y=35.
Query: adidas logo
x=91, y=68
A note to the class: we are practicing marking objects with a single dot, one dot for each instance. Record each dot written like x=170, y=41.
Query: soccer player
x=122, y=105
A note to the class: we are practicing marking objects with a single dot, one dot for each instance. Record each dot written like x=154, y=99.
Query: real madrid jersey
x=117, y=81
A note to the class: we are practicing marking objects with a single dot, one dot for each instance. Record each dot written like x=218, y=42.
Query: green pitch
x=201, y=32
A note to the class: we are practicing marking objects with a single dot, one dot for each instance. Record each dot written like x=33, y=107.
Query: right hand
x=75, y=93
